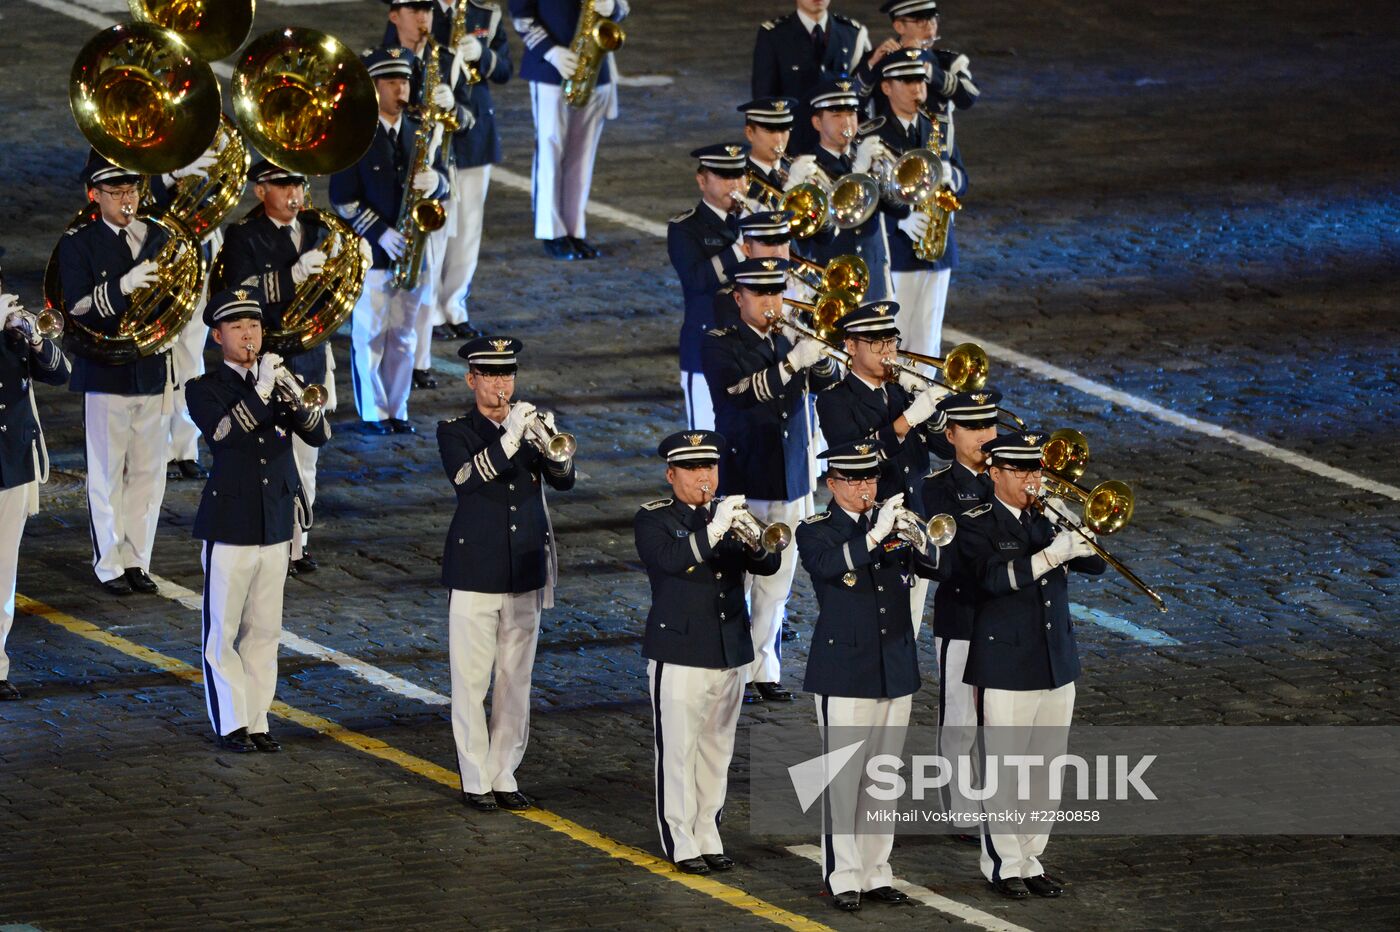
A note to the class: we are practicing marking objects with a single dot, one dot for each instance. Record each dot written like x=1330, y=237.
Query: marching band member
x=703, y=244
x=245, y=517
x=807, y=47
x=476, y=146
x=953, y=489
x=760, y=382
x=566, y=138
x=126, y=406
x=1023, y=661
x=768, y=128
x=764, y=235
x=834, y=116
x=920, y=285
x=276, y=248
x=25, y=356
x=864, y=667
x=369, y=195
x=870, y=403
x=915, y=24
x=697, y=645
x=501, y=564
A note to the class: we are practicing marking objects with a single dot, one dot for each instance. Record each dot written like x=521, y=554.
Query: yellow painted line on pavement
x=431, y=771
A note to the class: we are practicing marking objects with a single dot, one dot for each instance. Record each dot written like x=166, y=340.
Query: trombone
x=1105, y=500
x=964, y=369
x=831, y=349
x=848, y=273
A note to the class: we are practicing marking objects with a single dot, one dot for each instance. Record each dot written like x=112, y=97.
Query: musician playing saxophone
x=370, y=196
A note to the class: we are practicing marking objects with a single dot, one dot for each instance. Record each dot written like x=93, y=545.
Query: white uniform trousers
x=487, y=630
x=464, y=216
x=382, y=347
x=957, y=709
x=851, y=860
x=699, y=407
x=127, y=439
x=768, y=595
x=694, y=714
x=1013, y=854
x=922, y=297
x=187, y=355
x=14, y=510
x=566, y=143
x=242, y=626
x=423, y=320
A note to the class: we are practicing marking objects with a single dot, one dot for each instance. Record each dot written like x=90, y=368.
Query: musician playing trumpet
x=761, y=382
x=697, y=644
x=248, y=410
x=501, y=565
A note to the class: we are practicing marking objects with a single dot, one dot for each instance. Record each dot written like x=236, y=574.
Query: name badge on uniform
x=1008, y=545
x=280, y=431
x=712, y=241
x=849, y=579
x=967, y=496
x=681, y=532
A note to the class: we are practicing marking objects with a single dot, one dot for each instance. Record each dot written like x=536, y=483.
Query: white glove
x=470, y=49
x=267, y=374
x=140, y=276
x=803, y=168
x=426, y=181
x=366, y=249
x=910, y=382
x=1058, y=504
x=310, y=263
x=923, y=406
x=960, y=64
x=547, y=419
x=915, y=225
x=442, y=97
x=604, y=7
x=392, y=242
x=805, y=354
x=1059, y=549
x=564, y=61
x=869, y=149
x=1079, y=547
x=884, y=519
x=723, y=519
x=199, y=166
x=946, y=173
x=8, y=305
x=518, y=421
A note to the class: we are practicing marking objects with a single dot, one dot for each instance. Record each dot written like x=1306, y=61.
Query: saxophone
x=420, y=215
x=940, y=207
x=594, y=38
x=471, y=71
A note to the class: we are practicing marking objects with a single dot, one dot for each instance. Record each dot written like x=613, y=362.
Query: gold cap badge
x=695, y=439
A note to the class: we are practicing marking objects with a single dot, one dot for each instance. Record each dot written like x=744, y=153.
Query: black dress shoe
x=423, y=378
x=118, y=586
x=1044, y=885
x=750, y=694
x=400, y=426
x=581, y=247
x=292, y=569
x=514, y=800
x=693, y=866
x=719, y=862
x=560, y=248
x=1013, y=887
x=265, y=742
x=236, y=741
x=789, y=632
x=482, y=802
x=305, y=564
x=190, y=469
x=172, y=472
x=444, y=332
x=887, y=895
x=374, y=427
x=773, y=692
x=848, y=901
x=465, y=331
x=140, y=582
x=8, y=692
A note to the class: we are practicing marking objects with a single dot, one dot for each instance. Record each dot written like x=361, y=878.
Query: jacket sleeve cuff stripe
x=695, y=547
x=846, y=552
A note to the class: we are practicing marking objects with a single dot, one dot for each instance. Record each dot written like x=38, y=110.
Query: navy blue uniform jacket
x=499, y=540
x=701, y=247
x=698, y=617
x=91, y=261
x=863, y=643
x=785, y=64
x=20, y=364
x=1022, y=637
x=544, y=24
x=250, y=498
x=854, y=411
x=952, y=490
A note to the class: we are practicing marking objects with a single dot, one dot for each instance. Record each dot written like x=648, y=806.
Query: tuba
x=595, y=37
x=204, y=203
x=212, y=29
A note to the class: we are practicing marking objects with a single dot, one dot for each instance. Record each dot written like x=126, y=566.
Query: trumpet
x=753, y=533
x=938, y=530
x=556, y=445
x=306, y=399
x=48, y=324
x=1105, y=512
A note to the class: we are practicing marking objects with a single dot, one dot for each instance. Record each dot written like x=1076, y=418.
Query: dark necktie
x=126, y=241
x=914, y=135
x=289, y=235
x=251, y=379
x=731, y=223
x=1027, y=522
x=864, y=523
x=398, y=153
x=818, y=44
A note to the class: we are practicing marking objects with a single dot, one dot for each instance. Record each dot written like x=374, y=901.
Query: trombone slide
x=1067, y=523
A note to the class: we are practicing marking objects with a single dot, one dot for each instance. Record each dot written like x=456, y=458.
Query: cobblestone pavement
x=1194, y=203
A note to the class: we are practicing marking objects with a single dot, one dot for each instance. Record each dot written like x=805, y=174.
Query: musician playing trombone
x=760, y=381
x=501, y=565
x=1023, y=660
x=248, y=409
x=697, y=644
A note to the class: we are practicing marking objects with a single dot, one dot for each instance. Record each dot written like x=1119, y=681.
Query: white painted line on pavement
x=969, y=914
x=375, y=676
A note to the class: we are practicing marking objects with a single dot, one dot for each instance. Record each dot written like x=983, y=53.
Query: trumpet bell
x=315, y=396
x=561, y=446
x=810, y=208
x=1066, y=453
x=776, y=537
x=854, y=200
x=212, y=29
x=1109, y=507
x=965, y=368
x=304, y=100
x=143, y=99
x=941, y=529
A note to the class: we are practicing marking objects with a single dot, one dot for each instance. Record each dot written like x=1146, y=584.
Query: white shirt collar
x=958, y=465
x=135, y=230
x=761, y=335
x=809, y=24
x=242, y=372
x=836, y=155
x=1015, y=512
x=722, y=215
x=398, y=123
x=873, y=386
x=766, y=166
